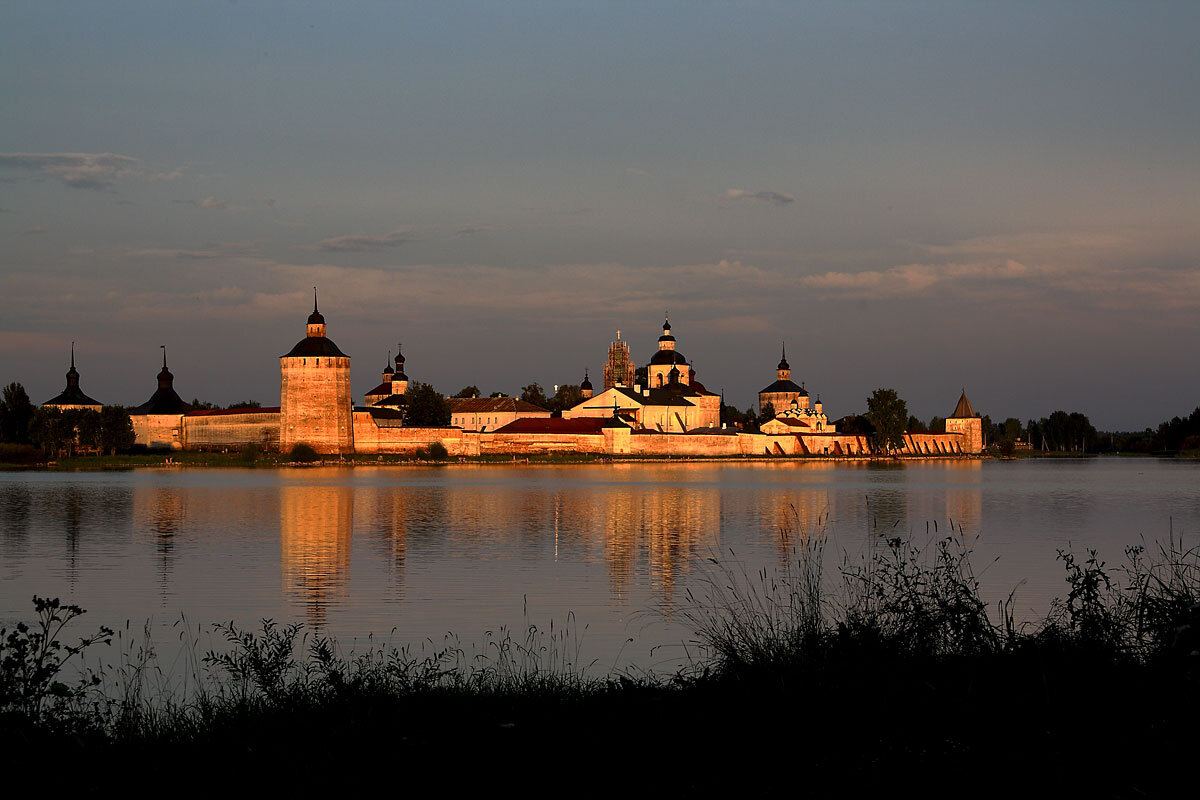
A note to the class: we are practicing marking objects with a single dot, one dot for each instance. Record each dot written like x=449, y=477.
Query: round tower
x=314, y=392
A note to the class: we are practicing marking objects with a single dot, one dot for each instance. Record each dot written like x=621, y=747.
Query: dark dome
x=784, y=386
x=668, y=357
x=587, y=383
x=316, y=318
x=315, y=346
x=783, y=364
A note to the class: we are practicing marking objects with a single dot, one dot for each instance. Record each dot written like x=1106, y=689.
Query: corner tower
x=964, y=420
x=314, y=392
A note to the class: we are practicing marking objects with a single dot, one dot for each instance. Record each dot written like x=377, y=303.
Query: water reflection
x=460, y=549
x=161, y=512
x=315, y=524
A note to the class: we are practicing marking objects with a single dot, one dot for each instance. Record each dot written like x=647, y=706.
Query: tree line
x=59, y=432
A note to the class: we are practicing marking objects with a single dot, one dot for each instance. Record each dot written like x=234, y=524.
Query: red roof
x=221, y=412
x=578, y=425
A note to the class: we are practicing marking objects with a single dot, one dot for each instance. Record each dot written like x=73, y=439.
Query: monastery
x=673, y=415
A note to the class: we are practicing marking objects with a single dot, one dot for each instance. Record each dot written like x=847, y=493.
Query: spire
x=783, y=362
x=315, y=318
x=72, y=355
x=164, y=349
x=963, y=410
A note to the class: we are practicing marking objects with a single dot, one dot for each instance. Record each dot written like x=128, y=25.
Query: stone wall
x=231, y=429
x=373, y=438
x=158, y=431
x=934, y=444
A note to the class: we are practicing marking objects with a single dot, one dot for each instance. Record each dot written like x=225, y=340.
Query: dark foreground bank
x=897, y=679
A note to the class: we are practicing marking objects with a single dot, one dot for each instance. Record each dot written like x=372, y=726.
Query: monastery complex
x=673, y=415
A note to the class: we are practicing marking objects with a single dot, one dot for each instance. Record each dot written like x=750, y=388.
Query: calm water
x=412, y=553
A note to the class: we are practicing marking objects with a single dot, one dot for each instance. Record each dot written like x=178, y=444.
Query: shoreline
x=233, y=461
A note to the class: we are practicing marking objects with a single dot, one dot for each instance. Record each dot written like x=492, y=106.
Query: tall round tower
x=314, y=392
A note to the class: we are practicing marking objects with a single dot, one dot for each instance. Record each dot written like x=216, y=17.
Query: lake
x=608, y=551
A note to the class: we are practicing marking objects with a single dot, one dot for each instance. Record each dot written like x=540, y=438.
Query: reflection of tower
x=384, y=513
x=964, y=495
x=618, y=368
x=160, y=511
x=315, y=524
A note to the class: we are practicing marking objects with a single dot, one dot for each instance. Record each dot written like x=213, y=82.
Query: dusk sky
x=926, y=196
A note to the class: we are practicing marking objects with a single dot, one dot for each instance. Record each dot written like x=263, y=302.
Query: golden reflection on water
x=648, y=525
x=315, y=524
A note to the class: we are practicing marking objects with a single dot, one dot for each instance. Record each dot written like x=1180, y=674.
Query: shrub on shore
x=303, y=453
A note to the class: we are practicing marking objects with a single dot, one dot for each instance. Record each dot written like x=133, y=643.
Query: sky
x=1001, y=197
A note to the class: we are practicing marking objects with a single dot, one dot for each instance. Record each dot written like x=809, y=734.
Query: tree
x=937, y=425
x=116, y=429
x=568, y=395
x=767, y=414
x=533, y=394
x=1012, y=429
x=468, y=391
x=16, y=413
x=245, y=404
x=641, y=376
x=51, y=430
x=425, y=407
x=201, y=405
x=914, y=424
x=888, y=413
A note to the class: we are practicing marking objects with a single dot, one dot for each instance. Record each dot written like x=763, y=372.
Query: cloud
x=210, y=251
x=77, y=170
x=214, y=203
x=774, y=198
x=355, y=243
x=470, y=230
x=35, y=229
x=173, y=175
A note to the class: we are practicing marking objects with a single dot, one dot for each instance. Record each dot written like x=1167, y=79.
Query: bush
x=437, y=451
x=251, y=452
x=18, y=453
x=304, y=454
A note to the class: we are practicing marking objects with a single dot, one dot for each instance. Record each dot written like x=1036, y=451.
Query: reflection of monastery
x=674, y=415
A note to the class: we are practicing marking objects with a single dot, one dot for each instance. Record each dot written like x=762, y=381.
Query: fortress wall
x=518, y=443
x=970, y=428
x=372, y=439
x=158, y=431
x=209, y=432
x=683, y=444
x=934, y=444
x=834, y=444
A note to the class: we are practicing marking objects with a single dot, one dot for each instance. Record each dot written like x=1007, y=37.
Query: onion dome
x=666, y=334
x=164, y=400
x=388, y=369
x=315, y=318
x=72, y=395
x=673, y=375
x=587, y=384
x=783, y=363
x=399, y=374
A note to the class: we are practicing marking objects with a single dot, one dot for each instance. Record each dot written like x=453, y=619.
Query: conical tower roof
x=963, y=410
